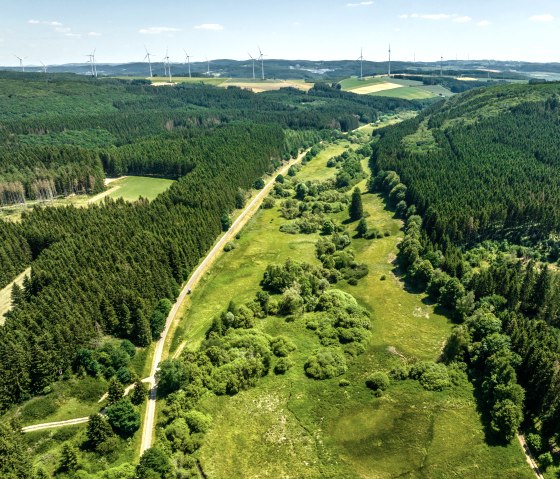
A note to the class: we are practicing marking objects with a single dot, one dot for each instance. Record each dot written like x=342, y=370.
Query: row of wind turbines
x=167, y=63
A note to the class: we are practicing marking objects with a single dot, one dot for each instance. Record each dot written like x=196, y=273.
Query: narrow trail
x=52, y=425
x=529, y=457
x=237, y=225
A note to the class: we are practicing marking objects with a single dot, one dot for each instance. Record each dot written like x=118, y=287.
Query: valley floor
x=291, y=426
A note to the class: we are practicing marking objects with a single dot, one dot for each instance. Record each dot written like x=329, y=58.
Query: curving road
x=237, y=225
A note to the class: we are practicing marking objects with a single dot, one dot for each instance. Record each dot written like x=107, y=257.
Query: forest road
x=237, y=225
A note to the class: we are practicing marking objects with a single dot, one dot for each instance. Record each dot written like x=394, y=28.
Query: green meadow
x=304, y=428
x=133, y=187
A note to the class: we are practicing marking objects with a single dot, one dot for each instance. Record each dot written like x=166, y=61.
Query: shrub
x=198, y=421
x=545, y=460
x=281, y=346
x=399, y=372
x=378, y=381
x=432, y=376
x=325, y=364
x=283, y=365
x=229, y=246
x=534, y=441
x=344, y=383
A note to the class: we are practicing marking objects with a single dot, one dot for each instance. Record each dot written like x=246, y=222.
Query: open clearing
x=301, y=428
x=133, y=187
x=6, y=294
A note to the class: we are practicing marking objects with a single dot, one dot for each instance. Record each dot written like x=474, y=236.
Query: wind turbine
x=92, y=61
x=21, y=62
x=188, y=58
x=261, y=58
x=389, y=59
x=208, y=66
x=251, y=57
x=148, y=55
x=44, y=67
x=168, y=69
x=361, y=59
x=441, y=66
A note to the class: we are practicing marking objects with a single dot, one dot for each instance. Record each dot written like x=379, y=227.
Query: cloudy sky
x=63, y=31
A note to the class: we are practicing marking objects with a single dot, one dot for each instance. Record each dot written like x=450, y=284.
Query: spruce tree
x=68, y=459
x=139, y=393
x=115, y=392
x=356, y=209
x=98, y=431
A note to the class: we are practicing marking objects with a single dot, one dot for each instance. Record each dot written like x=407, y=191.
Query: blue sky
x=62, y=31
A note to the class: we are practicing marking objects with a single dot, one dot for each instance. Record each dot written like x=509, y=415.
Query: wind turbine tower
x=188, y=58
x=167, y=65
x=208, y=66
x=261, y=58
x=44, y=67
x=389, y=59
x=441, y=66
x=92, y=61
x=21, y=62
x=148, y=55
x=253, y=60
x=361, y=58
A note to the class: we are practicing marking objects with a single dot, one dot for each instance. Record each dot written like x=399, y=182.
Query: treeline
x=508, y=310
x=493, y=177
x=42, y=173
x=15, y=253
x=103, y=270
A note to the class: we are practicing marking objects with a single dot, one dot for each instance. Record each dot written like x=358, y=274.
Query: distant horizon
x=194, y=62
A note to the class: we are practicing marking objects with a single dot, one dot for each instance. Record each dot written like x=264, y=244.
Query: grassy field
x=132, y=187
x=301, y=428
x=406, y=93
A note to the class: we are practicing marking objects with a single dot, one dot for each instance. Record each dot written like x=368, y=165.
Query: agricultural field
x=304, y=428
x=259, y=86
x=394, y=88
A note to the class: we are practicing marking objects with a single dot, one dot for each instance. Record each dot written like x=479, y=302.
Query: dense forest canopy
x=482, y=164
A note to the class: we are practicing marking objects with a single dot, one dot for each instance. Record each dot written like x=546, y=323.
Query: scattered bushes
x=325, y=364
x=378, y=381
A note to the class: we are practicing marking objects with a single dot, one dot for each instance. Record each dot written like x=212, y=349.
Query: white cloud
x=483, y=24
x=209, y=26
x=426, y=16
x=359, y=4
x=463, y=19
x=158, y=30
x=73, y=35
x=94, y=34
x=44, y=22
x=545, y=17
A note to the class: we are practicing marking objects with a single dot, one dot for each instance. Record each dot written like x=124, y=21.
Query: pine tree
x=98, y=431
x=362, y=228
x=68, y=459
x=356, y=209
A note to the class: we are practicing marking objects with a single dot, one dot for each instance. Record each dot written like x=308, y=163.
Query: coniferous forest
x=103, y=270
x=476, y=180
